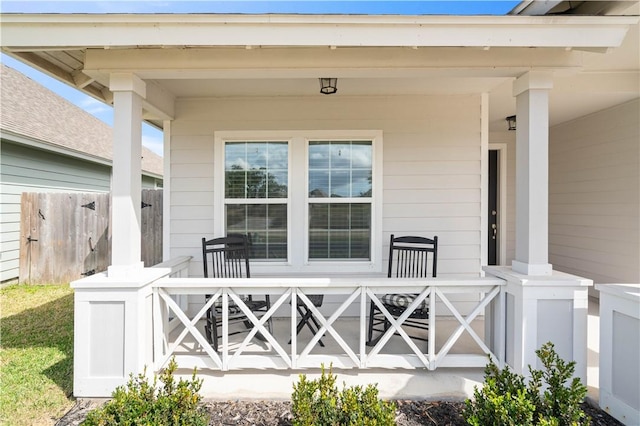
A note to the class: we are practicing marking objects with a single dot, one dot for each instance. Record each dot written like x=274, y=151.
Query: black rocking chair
x=228, y=257
x=408, y=258
x=306, y=316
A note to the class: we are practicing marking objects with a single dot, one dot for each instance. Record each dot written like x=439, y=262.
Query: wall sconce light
x=511, y=120
x=328, y=85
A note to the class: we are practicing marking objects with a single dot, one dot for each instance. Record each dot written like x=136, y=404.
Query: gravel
x=278, y=413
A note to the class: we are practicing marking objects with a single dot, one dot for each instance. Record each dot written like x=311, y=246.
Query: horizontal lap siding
x=594, y=195
x=431, y=163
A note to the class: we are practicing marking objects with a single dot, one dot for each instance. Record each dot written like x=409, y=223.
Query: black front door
x=492, y=258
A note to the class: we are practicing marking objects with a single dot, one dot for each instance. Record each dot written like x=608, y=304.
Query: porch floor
x=440, y=384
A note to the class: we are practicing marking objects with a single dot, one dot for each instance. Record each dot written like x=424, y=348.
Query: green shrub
x=557, y=402
x=320, y=403
x=144, y=403
x=507, y=399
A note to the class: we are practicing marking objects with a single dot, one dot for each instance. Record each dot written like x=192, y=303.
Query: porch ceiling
x=271, y=55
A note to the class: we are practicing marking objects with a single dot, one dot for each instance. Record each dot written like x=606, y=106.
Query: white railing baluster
x=363, y=326
x=432, y=329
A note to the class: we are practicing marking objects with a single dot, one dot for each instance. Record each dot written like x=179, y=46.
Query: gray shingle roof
x=33, y=111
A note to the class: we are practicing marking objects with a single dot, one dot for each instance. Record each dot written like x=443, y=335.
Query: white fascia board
x=68, y=31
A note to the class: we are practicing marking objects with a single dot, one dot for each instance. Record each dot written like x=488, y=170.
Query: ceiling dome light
x=328, y=86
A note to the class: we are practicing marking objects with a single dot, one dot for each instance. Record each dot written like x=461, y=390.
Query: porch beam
x=203, y=63
x=158, y=103
x=128, y=92
x=532, y=173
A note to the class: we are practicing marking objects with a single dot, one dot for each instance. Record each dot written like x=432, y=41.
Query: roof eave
x=23, y=32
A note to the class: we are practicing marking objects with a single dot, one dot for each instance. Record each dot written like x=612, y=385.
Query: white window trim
x=298, y=200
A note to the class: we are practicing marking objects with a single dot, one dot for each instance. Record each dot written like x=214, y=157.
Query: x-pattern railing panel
x=295, y=290
x=396, y=325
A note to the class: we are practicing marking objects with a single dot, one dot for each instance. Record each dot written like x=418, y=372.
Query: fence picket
x=65, y=236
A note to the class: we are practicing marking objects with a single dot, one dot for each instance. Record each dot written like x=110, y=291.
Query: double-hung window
x=340, y=198
x=256, y=181
x=308, y=201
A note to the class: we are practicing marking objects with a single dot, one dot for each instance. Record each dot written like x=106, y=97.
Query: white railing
x=178, y=266
x=182, y=337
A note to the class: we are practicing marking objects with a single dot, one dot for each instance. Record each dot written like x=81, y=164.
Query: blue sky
x=152, y=138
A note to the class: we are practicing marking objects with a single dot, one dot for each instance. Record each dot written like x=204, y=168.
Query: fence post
x=113, y=330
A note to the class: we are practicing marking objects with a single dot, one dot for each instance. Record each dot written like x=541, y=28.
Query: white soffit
x=24, y=32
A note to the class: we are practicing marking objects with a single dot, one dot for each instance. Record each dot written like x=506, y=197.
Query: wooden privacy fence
x=65, y=236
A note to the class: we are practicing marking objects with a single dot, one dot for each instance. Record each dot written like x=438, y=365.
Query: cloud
x=95, y=107
x=153, y=142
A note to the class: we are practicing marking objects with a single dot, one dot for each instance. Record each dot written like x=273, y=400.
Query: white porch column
x=128, y=92
x=113, y=331
x=544, y=309
x=542, y=305
x=532, y=173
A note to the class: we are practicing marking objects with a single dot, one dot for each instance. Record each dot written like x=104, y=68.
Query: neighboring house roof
x=32, y=111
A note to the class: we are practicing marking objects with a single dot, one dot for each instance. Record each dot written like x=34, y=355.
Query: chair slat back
x=409, y=257
x=226, y=257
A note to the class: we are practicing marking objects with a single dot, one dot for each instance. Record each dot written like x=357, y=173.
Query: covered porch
x=425, y=96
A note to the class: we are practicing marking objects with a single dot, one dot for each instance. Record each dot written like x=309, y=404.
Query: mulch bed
x=278, y=413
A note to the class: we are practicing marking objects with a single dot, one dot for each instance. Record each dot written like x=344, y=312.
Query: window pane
x=361, y=155
x=340, y=231
x=318, y=244
x=361, y=183
x=256, y=155
x=360, y=244
x=339, y=245
x=277, y=182
x=264, y=224
x=318, y=183
x=340, y=183
x=256, y=184
x=278, y=155
x=319, y=216
x=256, y=169
x=277, y=217
x=236, y=219
x=235, y=183
x=340, y=155
x=234, y=156
x=340, y=169
x=319, y=155
x=277, y=245
x=339, y=216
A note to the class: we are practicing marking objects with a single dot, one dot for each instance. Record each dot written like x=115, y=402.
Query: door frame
x=502, y=203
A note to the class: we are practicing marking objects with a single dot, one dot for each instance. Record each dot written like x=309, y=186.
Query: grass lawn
x=36, y=354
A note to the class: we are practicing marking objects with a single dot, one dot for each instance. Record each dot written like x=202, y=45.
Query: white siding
x=594, y=195
x=431, y=163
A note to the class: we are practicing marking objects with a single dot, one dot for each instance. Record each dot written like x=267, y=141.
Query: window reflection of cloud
x=340, y=183
x=361, y=158
x=238, y=162
x=280, y=177
x=278, y=155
